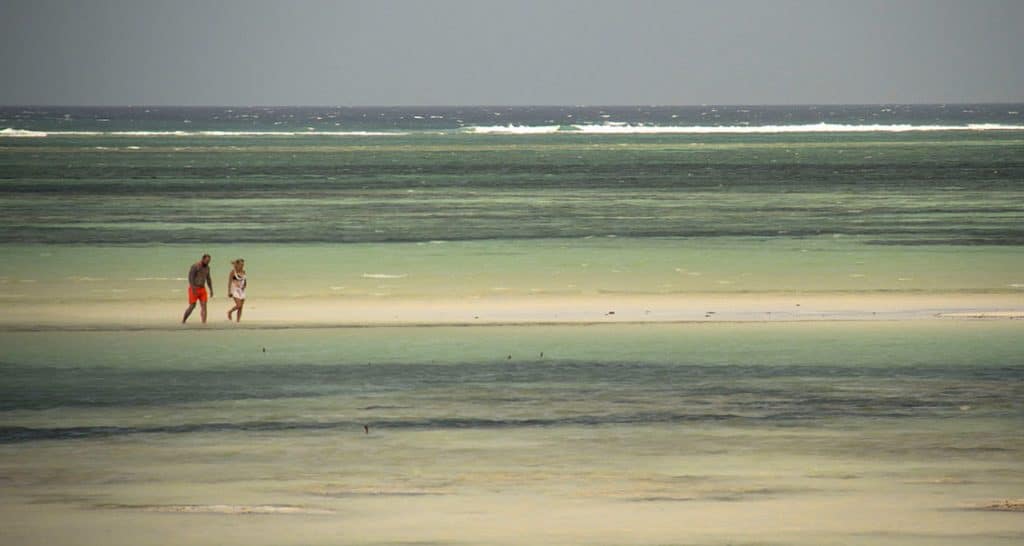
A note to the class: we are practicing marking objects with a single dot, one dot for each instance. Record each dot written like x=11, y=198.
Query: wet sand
x=591, y=309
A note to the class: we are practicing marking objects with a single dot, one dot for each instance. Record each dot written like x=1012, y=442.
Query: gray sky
x=448, y=52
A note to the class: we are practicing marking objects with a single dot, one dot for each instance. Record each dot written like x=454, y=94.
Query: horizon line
x=381, y=106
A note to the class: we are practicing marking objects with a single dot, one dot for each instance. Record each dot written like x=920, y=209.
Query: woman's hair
x=238, y=261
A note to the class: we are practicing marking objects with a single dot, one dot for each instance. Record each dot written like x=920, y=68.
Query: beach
x=561, y=281
x=513, y=326
x=538, y=310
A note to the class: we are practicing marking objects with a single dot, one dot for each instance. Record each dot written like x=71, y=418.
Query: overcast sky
x=483, y=52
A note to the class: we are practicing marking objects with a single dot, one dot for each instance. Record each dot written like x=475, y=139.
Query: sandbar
x=522, y=310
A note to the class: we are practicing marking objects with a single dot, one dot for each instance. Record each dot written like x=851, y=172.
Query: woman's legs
x=237, y=307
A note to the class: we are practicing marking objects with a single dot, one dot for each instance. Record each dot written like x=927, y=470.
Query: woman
x=236, y=287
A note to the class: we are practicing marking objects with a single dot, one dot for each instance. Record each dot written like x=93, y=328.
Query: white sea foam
x=609, y=128
x=515, y=129
x=615, y=128
x=384, y=276
x=294, y=133
x=10, y=132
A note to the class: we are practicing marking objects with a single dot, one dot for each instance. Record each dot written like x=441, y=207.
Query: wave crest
x=11, y=132
x=616, y=128
x=609, y=128
x=515, y=129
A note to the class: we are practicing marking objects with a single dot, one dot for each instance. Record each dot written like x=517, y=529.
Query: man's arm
x=209, y=282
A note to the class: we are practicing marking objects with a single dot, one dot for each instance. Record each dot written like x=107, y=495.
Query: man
x=198, y=280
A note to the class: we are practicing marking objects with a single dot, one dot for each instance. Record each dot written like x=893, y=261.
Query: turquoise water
x=846, y=433
x=957, y=188
x=511, y=268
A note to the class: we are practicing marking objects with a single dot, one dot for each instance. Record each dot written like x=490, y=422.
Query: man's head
x=206, y=259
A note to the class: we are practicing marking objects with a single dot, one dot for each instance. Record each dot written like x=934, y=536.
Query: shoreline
x=284, y=313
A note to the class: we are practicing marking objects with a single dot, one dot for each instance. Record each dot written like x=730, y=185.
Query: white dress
x=238, y=286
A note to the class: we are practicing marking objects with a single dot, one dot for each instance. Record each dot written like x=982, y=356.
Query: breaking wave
x=11, y=132
x=515, y=129
x=616, y=128
x=610, y=128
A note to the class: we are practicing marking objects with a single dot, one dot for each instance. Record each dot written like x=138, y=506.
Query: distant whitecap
x=9, y=132
x=22, y=133
x=610, y=128
x=514, y=129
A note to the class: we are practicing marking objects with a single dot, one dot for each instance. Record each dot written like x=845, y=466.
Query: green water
x=845, y=433
x=920, y=189
x=74, y=273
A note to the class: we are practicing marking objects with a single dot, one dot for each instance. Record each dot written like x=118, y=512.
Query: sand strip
x=596, y=309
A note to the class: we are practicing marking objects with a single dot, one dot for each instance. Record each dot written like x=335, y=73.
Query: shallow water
x=469, y=269
x=708, y=434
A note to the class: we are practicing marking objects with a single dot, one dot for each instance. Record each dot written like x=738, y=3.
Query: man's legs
x=189, y=312
x=202, y=310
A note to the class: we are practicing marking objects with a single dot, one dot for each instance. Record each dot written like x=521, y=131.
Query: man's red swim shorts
x=197, y=293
